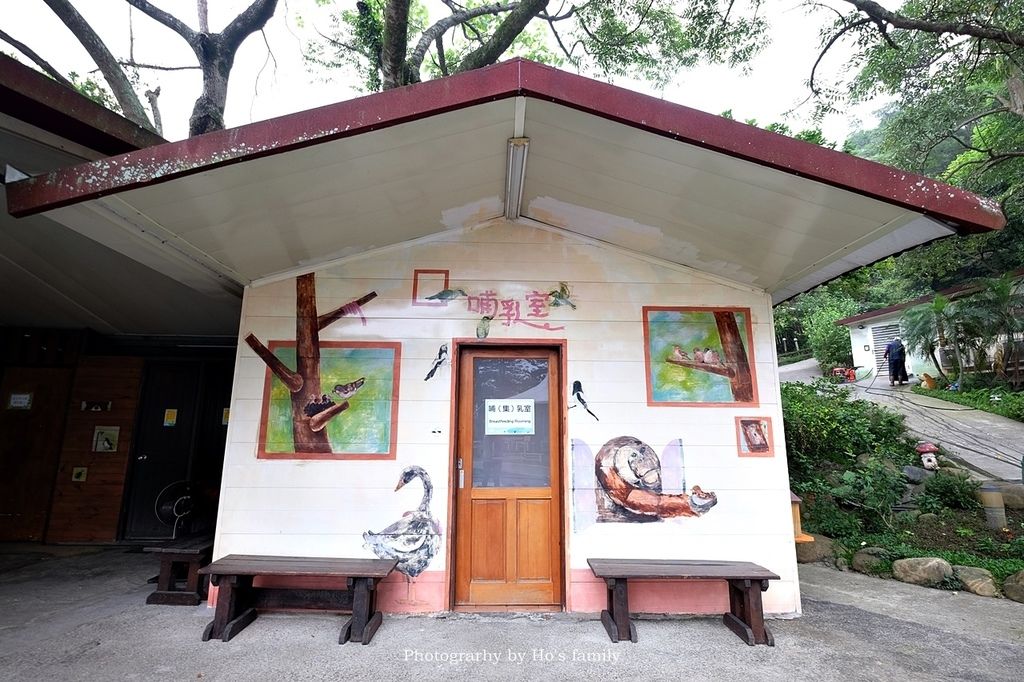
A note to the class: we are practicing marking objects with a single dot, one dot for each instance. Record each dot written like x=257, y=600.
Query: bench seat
x=182, y=556
x=746, y=582
x=238, y=600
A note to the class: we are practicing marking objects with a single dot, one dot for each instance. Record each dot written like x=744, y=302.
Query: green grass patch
x=1008, y=403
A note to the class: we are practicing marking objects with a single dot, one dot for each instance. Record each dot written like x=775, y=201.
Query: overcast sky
x=267, y=83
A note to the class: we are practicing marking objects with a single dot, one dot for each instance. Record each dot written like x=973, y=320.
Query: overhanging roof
x=224, y=209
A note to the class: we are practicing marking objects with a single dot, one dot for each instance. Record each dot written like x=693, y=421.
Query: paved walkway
x=987, y=443
x=84, y=618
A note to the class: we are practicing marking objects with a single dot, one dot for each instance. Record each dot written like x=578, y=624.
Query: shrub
x=830, y=343
x=1006, y=403
x=951, y=490
x=873, y=490
x=824, y=516
x=826, y=430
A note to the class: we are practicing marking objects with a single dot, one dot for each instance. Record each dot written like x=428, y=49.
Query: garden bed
x=1008, y=403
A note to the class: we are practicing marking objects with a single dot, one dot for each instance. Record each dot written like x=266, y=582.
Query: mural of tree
x=304, y=381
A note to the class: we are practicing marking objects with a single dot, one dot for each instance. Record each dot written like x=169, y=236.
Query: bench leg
x=616, y=618
x=233, y=594
x=365, y=618
x=746, y=615
x=167, y=591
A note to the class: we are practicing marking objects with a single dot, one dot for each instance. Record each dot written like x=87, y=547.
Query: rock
x=821, y=551
x=842, y=564
x=928, y=571
x=955, y=471
x=1013, y=494
x=862, y=459
x=909, y=516
x=928, y=518
x=976, y=580
x=1013, y=587
x=917, y=474
x=867, y=559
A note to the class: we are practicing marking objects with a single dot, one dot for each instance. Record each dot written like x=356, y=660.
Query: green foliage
x=874, y=490
x=647, y=39
x=94, y=90
x=829, y=342
x=826, y=430
x=953, y=491
x=897, y=547
x=1009, y=404
x=826, y=517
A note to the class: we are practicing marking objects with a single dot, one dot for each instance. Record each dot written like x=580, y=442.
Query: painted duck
x=415, y=538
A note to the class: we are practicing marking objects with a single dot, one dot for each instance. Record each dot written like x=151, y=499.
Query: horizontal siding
x=322, y=507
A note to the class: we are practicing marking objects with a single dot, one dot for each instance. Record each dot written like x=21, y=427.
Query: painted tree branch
x=319, y=420
x=506, y=33
x=415, y=59
x=963, y=28
x=702, y=367
x=338, y=313
x=112, y=72
x=292, y=380
x=39, y=61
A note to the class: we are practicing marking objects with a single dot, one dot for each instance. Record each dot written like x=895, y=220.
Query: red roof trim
x=516, y=77
x=27, y=95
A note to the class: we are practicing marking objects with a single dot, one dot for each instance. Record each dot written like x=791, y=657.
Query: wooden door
x=508, y=544
x=35, y=403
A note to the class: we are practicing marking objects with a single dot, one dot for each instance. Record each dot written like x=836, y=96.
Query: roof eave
x=959, y=209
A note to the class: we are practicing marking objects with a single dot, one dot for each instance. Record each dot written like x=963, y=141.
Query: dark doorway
x=179, y=449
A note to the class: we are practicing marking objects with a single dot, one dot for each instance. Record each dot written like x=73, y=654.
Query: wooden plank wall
x=89, y=511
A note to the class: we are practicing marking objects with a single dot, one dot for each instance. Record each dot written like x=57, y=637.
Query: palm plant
x=930, y=327
x=998, y=312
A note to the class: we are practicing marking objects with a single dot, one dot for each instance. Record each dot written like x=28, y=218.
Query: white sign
x=508, y=417
x=19, y=401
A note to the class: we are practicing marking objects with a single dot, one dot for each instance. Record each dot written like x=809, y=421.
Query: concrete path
x=84, y=618
x=990, y=445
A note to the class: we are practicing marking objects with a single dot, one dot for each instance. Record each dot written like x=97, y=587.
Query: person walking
x=896, y=354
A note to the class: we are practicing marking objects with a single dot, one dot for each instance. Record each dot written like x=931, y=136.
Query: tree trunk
x=307, y=364
x=506, y=33
x=208, y=112
x=735, y=356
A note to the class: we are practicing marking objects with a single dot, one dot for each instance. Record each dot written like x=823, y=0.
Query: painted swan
x=415, y=538
x=630, y=473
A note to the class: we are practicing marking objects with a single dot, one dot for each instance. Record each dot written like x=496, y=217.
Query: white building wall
x=321, y=508
x=864, y=350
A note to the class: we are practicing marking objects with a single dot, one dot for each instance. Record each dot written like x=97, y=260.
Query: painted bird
x=442, y=355
x=698, y=355
x=483, y=327
x=577, y=394
x=560, y=296
x=679, y=355
x=447, y=295
x=345, y=391
x=711, y=357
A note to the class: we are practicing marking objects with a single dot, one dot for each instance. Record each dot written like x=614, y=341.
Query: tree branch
x=506, y=33
x=442, y=65
x=39, y=61
x=961, y=28
x=319, y=420
x=330, y=318
x=828, y=46
x=170, y=21
x=415, y=59
x=122, y=90
x=292, y=380
x=152, y=96
x=254, y=18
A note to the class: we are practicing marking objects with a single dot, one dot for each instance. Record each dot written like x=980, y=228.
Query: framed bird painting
x=352, y=413
x=699, y=357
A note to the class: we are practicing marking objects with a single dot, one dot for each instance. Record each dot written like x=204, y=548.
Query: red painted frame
x=261, y=445
x=699, y=309
x=740, y=440
x=416, y=291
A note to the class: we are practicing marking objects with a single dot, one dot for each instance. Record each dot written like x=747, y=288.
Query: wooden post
x=735, y=356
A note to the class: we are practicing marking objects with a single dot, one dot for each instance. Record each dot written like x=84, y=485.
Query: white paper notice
x=508, y=417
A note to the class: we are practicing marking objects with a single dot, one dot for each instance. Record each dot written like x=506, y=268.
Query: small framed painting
x=427, y=283
x=754, y=437
x=104, y=438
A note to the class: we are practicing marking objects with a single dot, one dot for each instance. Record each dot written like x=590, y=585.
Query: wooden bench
x=238, y=600
x=746, y=583
x=181, y=557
